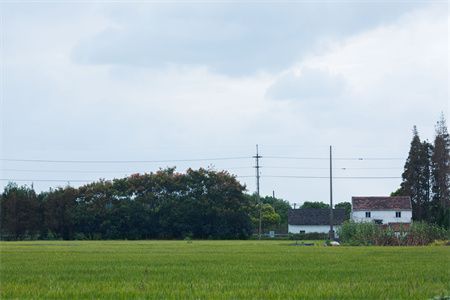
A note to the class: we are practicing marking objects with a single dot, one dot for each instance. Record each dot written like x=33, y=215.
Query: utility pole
x=295, y=205
x=331, y=234
x=273, y=194
x=258, y=198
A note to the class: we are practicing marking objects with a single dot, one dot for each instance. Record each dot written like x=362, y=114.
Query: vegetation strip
x=220, y=270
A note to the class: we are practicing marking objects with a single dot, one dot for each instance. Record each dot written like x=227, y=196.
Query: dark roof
x=315, y=216
x=381, y=203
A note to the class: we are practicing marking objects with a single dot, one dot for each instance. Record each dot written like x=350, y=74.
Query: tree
x=280, y=207
x=440, y=161
x=416, y=177
x=19, y=209
x=167, y=204
x=59, y=207
x=269, y=218
x=347, y=206
x=308, y=204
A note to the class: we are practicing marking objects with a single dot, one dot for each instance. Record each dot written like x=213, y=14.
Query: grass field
x=220, y=269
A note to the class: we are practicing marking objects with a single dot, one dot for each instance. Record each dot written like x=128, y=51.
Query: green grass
x=220, y=269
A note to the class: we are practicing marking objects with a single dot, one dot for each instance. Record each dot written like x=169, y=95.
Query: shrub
x=50, y=236
x=308, y=236
x=367, y=233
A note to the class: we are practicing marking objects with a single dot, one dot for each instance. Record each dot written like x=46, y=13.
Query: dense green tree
x=441, y=175
x=345, y=205
x=417, y=177
x=269, y=218
x=308, y=204
x=95, y=205
x=166, y=204
x=280, y=207
x=19, y=210
x=58, y=212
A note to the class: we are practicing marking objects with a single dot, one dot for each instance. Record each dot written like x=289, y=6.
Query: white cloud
x=380, y=82
x=310, y=86
x=234, y=39
x=402, y=65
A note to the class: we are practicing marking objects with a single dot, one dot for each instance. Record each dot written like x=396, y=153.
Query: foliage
x=369, y=233
x=308, y=204
x=426, y=177
x=58, y=212
x=347, y=206
x=280, y=206
x=19, y=213
x=268, y=216
x=274, y=213
x=219, y=270
x=440, y=161
x=417, y=176
x=166, y=204
x=308, y=236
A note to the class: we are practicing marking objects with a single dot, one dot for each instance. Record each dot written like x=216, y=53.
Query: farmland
x=219, y=269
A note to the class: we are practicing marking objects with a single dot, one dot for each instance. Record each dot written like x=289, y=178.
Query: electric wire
x=122, y=161
x=238, y=176
x=228, y=168
x=335, y=158
x=195, y=159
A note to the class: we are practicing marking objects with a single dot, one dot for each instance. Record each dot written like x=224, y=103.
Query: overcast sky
x=156, y=81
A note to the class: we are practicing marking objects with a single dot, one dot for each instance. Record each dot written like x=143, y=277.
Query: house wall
x=311, y=228
x=387, y=216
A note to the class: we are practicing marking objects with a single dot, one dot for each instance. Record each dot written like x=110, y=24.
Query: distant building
x=394, y=212
x=306, y=220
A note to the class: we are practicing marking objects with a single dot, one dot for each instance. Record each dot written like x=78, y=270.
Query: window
x=367, y=214
x=398, y=214
x=302, y=232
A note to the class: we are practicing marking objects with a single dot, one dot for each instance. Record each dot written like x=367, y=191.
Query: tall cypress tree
x=416, y=177
x=441, y=175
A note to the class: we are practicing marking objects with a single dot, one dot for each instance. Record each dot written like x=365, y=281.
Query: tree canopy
x=319, y=204
x=426, y=177
x=166, y=204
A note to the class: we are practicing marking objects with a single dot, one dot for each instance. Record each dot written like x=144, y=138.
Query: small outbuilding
x=307, y=220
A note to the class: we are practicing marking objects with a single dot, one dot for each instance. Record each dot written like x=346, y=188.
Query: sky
x=106, y=89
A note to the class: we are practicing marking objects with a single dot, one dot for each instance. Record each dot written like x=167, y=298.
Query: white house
x=388, y=211
x=306, y=220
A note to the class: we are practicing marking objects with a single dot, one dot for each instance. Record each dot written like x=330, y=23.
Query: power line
x=65, y=171
x=344, y=168
x=47, y=180
x=335, y=168
x=194, y=159
x=334, y=177
x=337, y=158
x=238, y=176
x=92, y=171
x=124, y=161
x=227, y=168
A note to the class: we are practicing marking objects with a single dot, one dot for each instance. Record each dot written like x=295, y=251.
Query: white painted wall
x=388, y=216
x=311, y=228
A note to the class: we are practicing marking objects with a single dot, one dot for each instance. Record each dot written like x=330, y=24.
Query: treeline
x=426, y=177
x=203, y=204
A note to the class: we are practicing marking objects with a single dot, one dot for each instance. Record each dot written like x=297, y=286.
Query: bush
x=308, y=236
x=79, y=236
x=51, y=236
x=367, y=233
